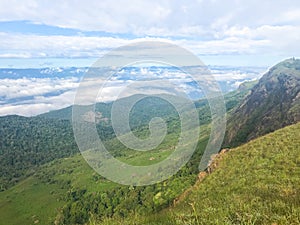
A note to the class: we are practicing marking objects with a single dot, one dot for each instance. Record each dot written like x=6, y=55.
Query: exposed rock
x=272, y=104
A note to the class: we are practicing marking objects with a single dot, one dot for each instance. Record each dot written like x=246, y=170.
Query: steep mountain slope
x=272, y=104
x=256, y=183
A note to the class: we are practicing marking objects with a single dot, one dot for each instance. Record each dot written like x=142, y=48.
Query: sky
x=44, y=33
x=220, y=32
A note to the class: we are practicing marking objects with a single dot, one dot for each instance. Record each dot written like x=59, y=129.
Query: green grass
x=30, y=201
x=39, y=197
x=77, y=172
x=257, y=183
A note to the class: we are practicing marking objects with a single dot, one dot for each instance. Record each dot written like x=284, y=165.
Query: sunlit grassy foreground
x=257, y=183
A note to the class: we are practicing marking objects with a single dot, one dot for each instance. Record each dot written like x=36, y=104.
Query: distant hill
x=153, y=106
x=274, y=102
x=66, y=113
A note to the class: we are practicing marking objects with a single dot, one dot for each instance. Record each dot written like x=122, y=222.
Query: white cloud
x=278, y=40
x=211, y=27
x=141, y=16
x=26, y=87
x=235, y=75
x=87, y=15
x=55, y=46
x=26, y=46
x=32, y=96
x=26, y=109
x=204, y=27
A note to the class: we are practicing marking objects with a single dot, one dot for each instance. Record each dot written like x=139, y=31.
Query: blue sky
x=220, y=32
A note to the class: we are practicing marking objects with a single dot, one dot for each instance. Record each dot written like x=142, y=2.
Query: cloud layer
x=156, y=17
x=212, y=27
x=30, y=96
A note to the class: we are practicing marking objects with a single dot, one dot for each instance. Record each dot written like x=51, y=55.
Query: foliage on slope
x=27, y=143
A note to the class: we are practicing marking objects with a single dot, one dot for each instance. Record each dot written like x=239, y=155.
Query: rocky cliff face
x=274, y=102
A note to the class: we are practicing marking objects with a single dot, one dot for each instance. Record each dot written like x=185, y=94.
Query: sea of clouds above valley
x=30, y=92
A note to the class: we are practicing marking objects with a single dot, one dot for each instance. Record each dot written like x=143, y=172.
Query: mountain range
x=44, y=179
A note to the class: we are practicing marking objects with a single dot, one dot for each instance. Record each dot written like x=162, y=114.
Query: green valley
x=44, y=179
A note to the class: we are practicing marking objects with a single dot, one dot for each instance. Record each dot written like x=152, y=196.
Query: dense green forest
x=27, y=143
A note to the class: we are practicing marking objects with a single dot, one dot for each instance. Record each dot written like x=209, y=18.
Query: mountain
x=141, y=113
x=274, y=102
x=149, y=107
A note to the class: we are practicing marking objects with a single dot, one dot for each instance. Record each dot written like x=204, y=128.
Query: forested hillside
x=76, y=190
x=27, y=143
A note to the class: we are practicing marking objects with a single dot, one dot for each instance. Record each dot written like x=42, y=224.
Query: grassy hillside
x=29, y=202
x=39, y=197
x=257, y=183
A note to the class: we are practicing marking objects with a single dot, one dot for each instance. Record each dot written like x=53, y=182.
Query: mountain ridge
x=274, y=102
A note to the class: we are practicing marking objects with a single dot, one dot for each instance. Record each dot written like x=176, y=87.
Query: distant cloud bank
x=29, y=92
